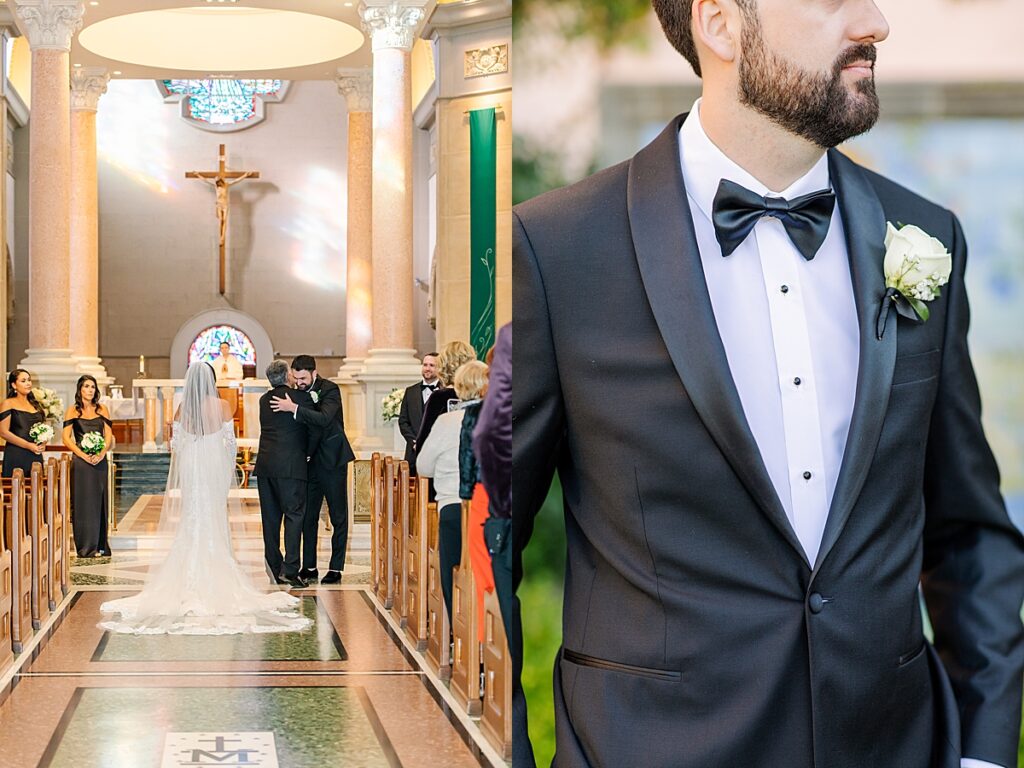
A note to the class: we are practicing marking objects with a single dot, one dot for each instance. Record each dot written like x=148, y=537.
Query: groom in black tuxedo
x=281, y=473
x=328, y=465
x=794, y=449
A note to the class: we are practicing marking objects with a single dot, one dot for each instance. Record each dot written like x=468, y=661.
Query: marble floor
x=350, y=691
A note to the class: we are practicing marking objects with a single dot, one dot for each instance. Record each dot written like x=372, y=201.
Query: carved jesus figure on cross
x=221, y=180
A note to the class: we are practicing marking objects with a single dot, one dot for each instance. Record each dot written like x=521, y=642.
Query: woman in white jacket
x=439, y=458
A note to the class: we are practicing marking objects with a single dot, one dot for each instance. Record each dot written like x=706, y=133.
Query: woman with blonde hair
x=452, y=357
x=438, y=458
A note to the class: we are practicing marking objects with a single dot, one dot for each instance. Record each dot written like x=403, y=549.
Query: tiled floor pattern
x=348, y=692
x=137, y=545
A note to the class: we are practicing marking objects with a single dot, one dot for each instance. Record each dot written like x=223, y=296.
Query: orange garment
x=479, y=557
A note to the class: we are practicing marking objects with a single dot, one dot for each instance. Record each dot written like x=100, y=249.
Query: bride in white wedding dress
x=199, y=589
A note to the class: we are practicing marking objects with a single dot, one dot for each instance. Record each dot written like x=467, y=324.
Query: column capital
x=356, y=85
x=392, y=23
x=87, y=85
x=50, y=24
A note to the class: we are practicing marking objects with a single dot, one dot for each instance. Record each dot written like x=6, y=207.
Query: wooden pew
x=40, y=533
x=20, y=542
x=6, y=585
x=466, y=657
x=416, y=563
x=399, y=525
x=56, y=522
x=438, y=630
x=496, y=719
x=376, y=507
x=67, y=539
x=386, y=561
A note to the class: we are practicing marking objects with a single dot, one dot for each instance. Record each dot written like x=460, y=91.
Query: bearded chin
x=817, y=107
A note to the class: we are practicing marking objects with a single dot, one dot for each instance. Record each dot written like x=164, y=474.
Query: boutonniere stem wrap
x=916, y=266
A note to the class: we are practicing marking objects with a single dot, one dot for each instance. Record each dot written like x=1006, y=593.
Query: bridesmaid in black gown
x=18, y=414
x=89, y=473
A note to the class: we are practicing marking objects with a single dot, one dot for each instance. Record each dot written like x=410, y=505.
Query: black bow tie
x=431, y=387
x=806, y=218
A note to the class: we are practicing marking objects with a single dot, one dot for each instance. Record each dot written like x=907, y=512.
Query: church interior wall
x=158, y=231
x=460, y=92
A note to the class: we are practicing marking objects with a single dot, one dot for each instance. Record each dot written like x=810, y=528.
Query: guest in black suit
x=452, y=357
x=328, y=465
x=411, y=413
x=794, y=453
x=281, y=477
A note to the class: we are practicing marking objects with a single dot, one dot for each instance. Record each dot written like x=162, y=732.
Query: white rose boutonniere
x=315, y=396
x=916, y=266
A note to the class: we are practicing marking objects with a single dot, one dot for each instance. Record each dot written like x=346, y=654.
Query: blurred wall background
x=596, y=80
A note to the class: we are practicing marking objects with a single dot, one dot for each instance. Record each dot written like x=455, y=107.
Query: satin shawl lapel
x=673, y=278
x=864, y=224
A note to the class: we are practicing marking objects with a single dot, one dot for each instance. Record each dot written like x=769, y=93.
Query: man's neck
x=761, y=147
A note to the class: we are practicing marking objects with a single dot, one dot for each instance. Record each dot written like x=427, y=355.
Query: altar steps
x=137, y=474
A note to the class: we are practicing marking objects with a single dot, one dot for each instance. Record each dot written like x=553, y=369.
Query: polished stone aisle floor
x=350, y=692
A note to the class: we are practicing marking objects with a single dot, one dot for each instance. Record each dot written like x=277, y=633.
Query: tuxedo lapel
x=864, y=225
x=673, y=278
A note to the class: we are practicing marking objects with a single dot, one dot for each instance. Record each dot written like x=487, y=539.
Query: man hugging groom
x=303, y=458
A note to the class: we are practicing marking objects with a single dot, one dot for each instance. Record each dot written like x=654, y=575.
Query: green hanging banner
x=483, y=218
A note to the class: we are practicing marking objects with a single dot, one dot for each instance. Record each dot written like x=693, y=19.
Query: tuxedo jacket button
x=815, y=602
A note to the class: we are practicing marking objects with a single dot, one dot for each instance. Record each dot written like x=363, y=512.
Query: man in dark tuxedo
x=793, y=450
x=328, y=465
x=281, y=477
x=411, y=413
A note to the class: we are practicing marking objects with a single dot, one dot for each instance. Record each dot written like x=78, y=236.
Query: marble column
x=49, y=26
x=392, y=26
x=356, y=85
x=87, y=85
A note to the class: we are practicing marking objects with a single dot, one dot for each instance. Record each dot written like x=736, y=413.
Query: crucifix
x=220, y=180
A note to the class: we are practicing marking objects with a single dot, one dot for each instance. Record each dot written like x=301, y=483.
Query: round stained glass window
x=206, y=347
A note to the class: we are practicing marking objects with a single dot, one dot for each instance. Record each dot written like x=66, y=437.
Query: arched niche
x=199, y=323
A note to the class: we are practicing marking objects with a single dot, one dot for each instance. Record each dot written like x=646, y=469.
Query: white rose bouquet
x=916, y=266
x=53, y=407
x=41, y=433
x=92, y=443
x=392, y=404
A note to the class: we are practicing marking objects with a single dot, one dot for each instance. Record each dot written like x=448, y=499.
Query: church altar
x=155, y=400
x=160, y=398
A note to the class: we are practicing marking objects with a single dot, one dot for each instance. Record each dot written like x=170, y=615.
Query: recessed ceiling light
x=78, y=65
x=93, y=2
x=117, y=71
x=348, y=5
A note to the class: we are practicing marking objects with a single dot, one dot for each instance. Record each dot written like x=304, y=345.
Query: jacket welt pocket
x=911, y=369
x=582, y=660
x=906, y=658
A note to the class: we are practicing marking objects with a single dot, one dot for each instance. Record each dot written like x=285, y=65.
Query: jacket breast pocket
x=920, y=366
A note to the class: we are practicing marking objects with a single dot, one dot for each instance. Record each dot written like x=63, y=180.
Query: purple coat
x=492, y=438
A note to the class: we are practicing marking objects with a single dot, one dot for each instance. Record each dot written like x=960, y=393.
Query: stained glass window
x=207, y=345
x=220, y=101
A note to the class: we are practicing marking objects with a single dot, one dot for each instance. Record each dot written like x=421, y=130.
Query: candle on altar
x=142, y=363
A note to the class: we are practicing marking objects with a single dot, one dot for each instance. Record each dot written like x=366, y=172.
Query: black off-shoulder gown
x=89, y=493
x=16, y=457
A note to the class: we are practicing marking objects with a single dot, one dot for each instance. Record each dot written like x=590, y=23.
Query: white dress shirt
x=424, y=384
x=782, y=319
